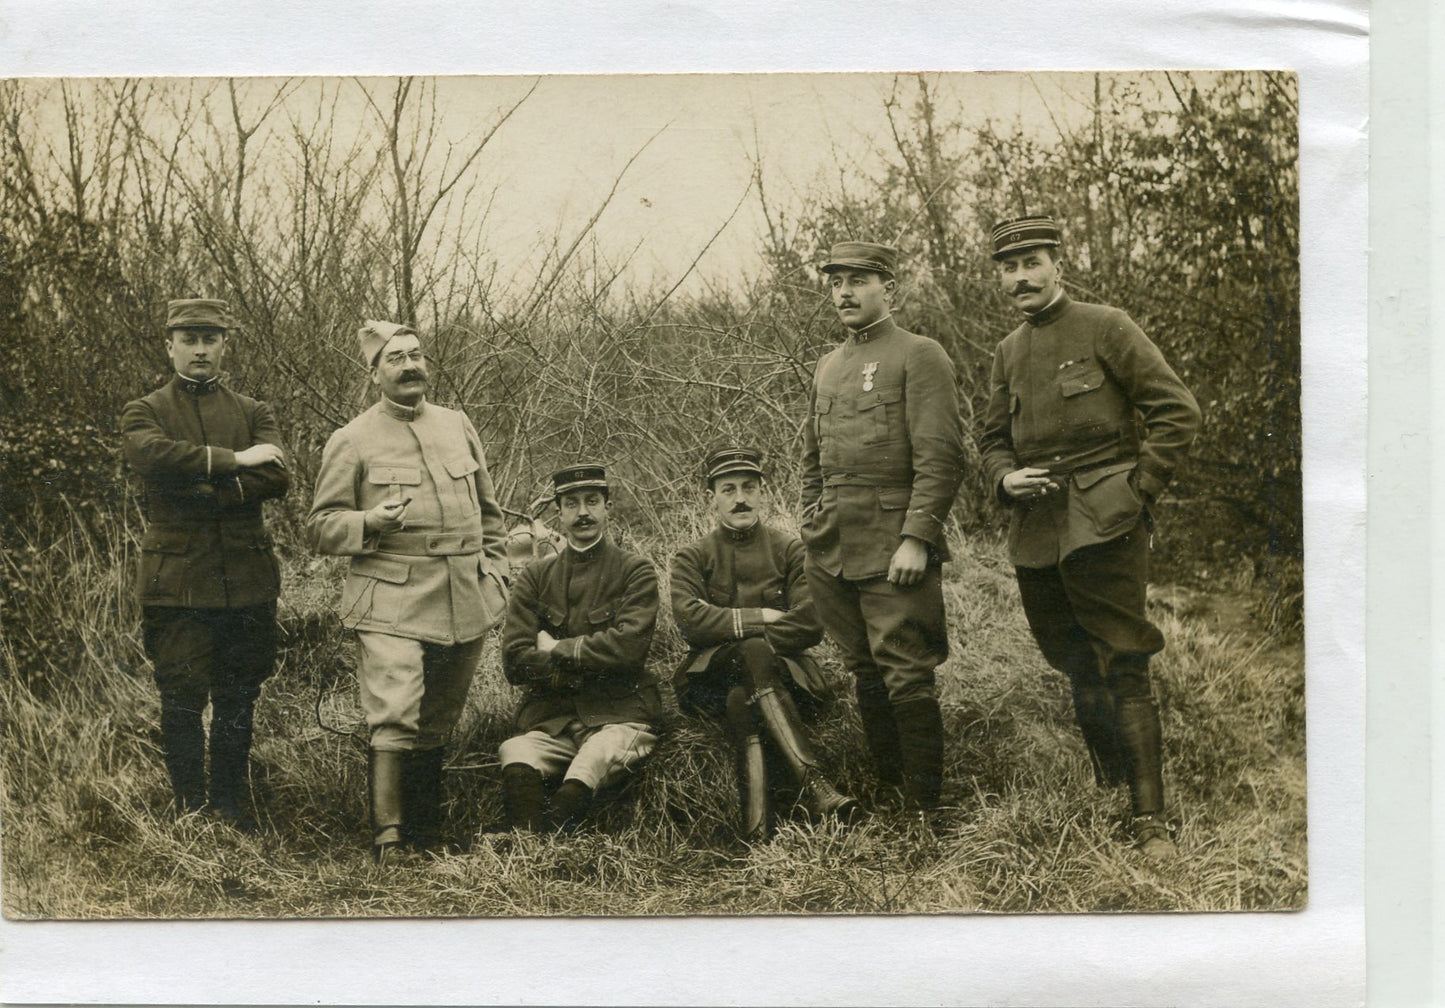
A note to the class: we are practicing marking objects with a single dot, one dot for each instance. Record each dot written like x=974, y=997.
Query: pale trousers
x=413, y=692
x=596, y=756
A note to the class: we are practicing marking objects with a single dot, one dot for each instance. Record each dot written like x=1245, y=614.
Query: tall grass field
x=87, y=831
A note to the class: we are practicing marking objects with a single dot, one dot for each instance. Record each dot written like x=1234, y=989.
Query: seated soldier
x=741, y=600
x=579, y=626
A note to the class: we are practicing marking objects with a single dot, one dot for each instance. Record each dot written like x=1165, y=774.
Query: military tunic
x=882, y=451
x=205, y=544
x=720, y=585
x=420, y=599
x=590, y=707
x=1069, y=391
x=882, y=460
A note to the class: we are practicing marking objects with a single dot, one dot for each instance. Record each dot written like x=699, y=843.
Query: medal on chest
x=869, y=370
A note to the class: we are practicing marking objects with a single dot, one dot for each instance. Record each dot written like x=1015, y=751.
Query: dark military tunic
x=882, y=450
x=1070, y=390
x=205, y=546
x=601, y=605
x=720, y=585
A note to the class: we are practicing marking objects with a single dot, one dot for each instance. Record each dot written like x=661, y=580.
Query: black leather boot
x=230, y=783
x=753, y=790
x=785, y=728
x=880, y=731
x=524, y=798
x=920, y=740
x=1094, y=712
x=1140, y=737
x=183, y=748
x=422, y=795
x=388, y=837
x=570, y=803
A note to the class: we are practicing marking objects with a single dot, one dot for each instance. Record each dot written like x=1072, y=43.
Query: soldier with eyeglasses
x=404, y=491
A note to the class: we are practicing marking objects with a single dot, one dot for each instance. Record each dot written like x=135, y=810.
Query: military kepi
x=858, y=255
x=375, y=334
x=197, y=313
x=588, y=475
x=731, y=459
x=1021, y=233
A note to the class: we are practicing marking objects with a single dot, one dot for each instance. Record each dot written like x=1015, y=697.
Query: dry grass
x=86, y=832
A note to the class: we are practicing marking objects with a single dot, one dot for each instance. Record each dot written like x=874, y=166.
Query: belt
x=431, y=543
x=1064, y=472
x=865, y=479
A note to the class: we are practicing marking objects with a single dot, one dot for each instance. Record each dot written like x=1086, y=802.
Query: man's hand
x=1028, y=483
x=259, y=455
x=386, y=517
x=545, y=642
x=772, y=615
x=909, y=562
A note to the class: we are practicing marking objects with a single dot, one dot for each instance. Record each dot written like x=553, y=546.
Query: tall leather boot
x=388, y=837
x=524, y=798
x=1094, y=712
x=230, y=785
x=755, y=797
x=920, y=740
x=785, y=728
x=880, y=731
x=1140, y=737
x=183, y=748
x=753, y=790
x=570, y=803
x=421, y=797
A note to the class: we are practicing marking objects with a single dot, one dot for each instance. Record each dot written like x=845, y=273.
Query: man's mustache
x=1024, y=287
x=411, y=374
x=740, y=508
x=583, y=522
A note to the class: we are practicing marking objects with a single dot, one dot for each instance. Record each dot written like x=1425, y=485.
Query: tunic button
x=433, y=543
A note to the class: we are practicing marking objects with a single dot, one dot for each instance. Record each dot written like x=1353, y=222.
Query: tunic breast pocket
x=396, y=477
x=1077, y=378
x=881, y=415
x=822, y=419
x=461, y=470
x=1085, y=407
x=554, y=621
x=600, y=618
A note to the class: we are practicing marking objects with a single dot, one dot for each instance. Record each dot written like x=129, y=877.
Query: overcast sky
x=549, y=168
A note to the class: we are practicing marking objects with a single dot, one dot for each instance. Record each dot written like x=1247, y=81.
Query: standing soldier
x=740, y=598
x=208, y=577
x=1086, y=423
x=579, y=626
x=404, y=491
x=881, y=466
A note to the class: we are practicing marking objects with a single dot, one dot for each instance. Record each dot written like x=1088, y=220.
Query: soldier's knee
x=739, y=710
x=758, y=658
x=1129, y=676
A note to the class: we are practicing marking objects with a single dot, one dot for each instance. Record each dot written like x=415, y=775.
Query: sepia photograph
x=652, y=495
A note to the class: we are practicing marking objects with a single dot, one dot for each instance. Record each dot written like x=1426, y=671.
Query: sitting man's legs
x=586, y=758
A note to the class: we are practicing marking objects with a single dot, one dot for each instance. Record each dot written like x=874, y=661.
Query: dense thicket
x=1178, y=193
